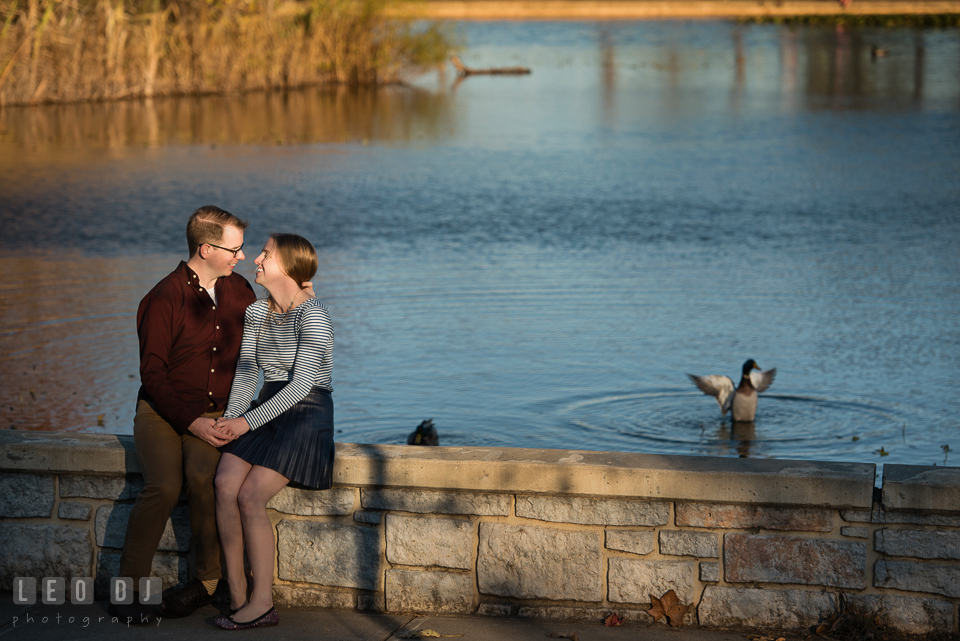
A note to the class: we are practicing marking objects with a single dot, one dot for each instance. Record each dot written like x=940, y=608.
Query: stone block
x=907, y=614
x=368, y=516
x=743, y=517
x=171, y=569
x=434, y=592
x=855, y=532
x=116, y=488
x=74, y=511
x=703, y=545
x=786, y=559
x=25, y=495
x=896, y=518
x=302, y=596
x=528, y=562
x=634, y=580
x=637, y=542
x=432, y=502
x=371, y=603
x=758, y=608
x=110, y=526
x=331, y=554
x=40, y=550
x=336, y=501
x=426, y=541
x=709, y=571
x=920, y=544
x=918, y=577
x=566, y=613
x=586, y=511
x=495, y=609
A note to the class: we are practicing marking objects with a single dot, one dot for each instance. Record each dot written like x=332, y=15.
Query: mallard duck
x=742, y=401
x=425, y=434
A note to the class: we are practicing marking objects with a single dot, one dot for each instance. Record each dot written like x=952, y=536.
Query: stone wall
x=535, y=533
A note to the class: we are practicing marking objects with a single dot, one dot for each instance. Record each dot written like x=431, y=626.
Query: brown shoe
x=186, y=600
x=135, y=613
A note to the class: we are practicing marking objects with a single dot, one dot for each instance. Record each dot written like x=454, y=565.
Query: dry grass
x=75, y=50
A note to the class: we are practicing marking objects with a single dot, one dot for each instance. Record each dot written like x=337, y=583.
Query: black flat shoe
x=186, y=600
x=269, y=618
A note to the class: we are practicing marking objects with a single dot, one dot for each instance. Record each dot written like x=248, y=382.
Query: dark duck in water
x=741, y=401
x=425, y=434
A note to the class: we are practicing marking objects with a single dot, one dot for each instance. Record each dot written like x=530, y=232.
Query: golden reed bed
x=75, y=50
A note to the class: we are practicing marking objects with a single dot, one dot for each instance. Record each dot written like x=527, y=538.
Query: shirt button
x=214, y=349
x=211, y=370
x=210, y=393
x=214, y=306
x=218, y=327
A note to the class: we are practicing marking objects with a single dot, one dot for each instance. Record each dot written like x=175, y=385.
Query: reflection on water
x=810, y=68
x=316, y=115
x=537, y=261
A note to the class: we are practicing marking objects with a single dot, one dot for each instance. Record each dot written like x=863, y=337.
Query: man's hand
x=231, y=428
x=203, y=428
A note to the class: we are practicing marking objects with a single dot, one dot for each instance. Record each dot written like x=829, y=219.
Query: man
x=189, y=326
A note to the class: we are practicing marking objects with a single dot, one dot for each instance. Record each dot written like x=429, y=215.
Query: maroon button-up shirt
x=189, y=345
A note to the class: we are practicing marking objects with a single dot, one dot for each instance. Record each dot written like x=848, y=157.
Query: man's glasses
x=232, y=251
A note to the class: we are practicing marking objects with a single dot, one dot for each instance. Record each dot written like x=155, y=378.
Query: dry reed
x=75, y=50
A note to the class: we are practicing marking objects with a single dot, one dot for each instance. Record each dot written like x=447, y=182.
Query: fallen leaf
x=669, y=606
x=425, y=634
x=564, y=635
x=656, y=609
x=613, y=620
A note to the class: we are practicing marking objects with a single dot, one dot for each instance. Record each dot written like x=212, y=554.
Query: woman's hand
x=232, y=427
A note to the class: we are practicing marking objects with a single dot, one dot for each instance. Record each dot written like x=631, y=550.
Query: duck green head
x=749, y=366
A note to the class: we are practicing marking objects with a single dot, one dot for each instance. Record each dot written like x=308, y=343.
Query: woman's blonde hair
x=297, y=256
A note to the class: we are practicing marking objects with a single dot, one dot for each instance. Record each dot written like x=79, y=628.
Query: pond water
x=538, y=261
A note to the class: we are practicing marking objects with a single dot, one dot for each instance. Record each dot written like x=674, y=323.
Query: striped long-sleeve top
x=299, y=351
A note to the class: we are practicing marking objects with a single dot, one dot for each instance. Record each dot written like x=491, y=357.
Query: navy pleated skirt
x=297, y=444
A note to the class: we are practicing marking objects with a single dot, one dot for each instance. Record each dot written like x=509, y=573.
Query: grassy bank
x=75, y=50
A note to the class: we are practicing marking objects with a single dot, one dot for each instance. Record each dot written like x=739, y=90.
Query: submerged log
x=463, y=70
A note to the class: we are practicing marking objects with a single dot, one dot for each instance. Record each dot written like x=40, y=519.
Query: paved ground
x=75, y=622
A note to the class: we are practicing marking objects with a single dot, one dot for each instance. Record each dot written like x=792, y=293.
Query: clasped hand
x=231, y=428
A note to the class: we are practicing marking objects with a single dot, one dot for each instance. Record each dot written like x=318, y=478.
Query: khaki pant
x=170, y=461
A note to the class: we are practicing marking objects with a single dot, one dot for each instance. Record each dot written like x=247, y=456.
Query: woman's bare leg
x=231, y=474
x=260, y=485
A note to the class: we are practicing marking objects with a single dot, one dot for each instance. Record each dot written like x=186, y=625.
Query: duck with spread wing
x=740, y=401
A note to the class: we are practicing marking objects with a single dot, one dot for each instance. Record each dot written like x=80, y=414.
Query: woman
x=287, y=436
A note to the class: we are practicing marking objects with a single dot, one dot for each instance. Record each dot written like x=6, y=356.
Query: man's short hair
x=206, y=226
